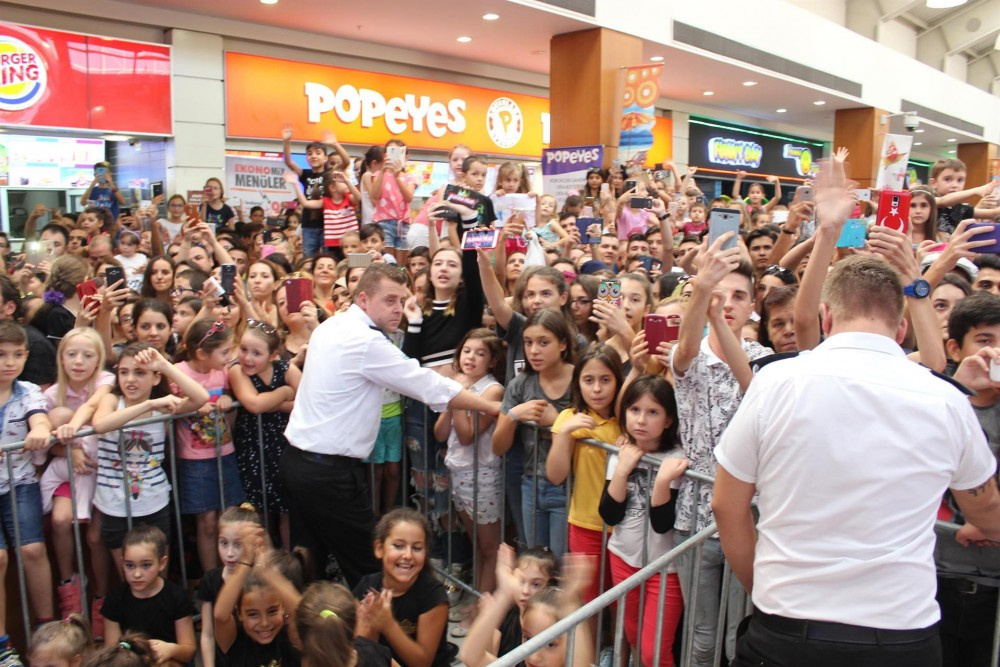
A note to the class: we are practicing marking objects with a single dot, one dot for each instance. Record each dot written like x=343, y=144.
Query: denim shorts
x=395, y=233
x=199, y=482
x=29, y=515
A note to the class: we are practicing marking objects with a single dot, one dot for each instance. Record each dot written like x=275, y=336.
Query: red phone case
x=655, y=327
x=894, y=210
x=297, y=291
x=86, y=291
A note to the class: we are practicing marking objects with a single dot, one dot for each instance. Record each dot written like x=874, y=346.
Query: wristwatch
x=918, y=289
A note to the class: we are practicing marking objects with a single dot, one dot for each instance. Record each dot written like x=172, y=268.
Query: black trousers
x=968, y=615
x=331, y=510
x=773, y=641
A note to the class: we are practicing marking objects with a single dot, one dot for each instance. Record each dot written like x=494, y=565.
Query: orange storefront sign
x=264, y=94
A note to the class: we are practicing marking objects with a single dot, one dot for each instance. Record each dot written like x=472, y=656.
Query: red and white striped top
x=338, y=219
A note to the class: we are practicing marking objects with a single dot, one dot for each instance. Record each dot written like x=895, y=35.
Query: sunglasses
x=785, y=274
x=266, y=327
x=179, y=291
x=217, y=327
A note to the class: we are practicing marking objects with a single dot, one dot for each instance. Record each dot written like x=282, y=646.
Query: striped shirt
x=148, y=489
x=338, y=219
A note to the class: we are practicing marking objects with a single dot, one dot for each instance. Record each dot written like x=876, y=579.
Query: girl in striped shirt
x=340, y=198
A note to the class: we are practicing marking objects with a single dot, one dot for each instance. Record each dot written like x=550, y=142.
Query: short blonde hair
x=862, y=286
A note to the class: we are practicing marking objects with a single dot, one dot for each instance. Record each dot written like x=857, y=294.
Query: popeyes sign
x=50, y=78
x=369, y=108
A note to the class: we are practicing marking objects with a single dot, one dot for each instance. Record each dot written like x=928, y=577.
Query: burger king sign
x=23, y=74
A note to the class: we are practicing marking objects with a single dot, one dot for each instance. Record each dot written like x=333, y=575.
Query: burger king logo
x=22, y=75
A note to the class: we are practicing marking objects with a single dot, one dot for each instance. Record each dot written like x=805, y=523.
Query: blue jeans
x=706, y=611
x=428, y=471
x=312, y=240
x=395, y=233
x=549, y=519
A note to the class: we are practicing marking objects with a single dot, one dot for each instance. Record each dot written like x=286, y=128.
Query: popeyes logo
x=23, y=76
x=399, y=114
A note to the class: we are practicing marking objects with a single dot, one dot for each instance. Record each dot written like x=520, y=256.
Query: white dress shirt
x=851, y=448
x=339, y=402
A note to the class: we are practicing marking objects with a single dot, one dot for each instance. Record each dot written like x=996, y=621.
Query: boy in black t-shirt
x=948, y=181
x=320, y=162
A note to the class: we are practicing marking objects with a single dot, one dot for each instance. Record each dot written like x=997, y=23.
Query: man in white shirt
x=336, y=416
x=851, y=448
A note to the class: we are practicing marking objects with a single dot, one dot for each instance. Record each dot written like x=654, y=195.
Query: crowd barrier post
x=21, y=579
x=265, y=512
x=475, y=499
x=77, y=544
x=175, y=494
x=217, y=425
x=126, y=483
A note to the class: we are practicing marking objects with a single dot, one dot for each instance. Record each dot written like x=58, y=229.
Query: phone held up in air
x=894, y=210
x=720, y=221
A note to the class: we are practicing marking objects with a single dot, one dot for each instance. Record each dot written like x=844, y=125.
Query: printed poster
x=257, y=182
x=564, y=170
x=893, y=161
x=639, y=94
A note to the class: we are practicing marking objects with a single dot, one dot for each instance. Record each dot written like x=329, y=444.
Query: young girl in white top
x=80, y=384
x=475, y=363
x=638, y=500
x=130, y=473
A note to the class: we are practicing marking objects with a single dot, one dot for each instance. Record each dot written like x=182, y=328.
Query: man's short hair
x=9, y=293
x=759, y=233
x=57, y=228
x=988, y=261
x=864, y=287
x=370, y=281
x=195, y=277
x=976, y=310
x=371, y=229
x=13, y=333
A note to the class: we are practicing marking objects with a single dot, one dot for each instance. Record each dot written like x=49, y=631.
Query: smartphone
x=227, y=273
x=34, y=253
x=191, y=210
x=359, y=259
x=113, y=274
x=804, y=193
x=605, y=189
x=583, y=223
x=894, y=210
x=994, y=371
x=156, y=189
x=993, y=234
x=720, y=221
x=648, y=263
x=101, y=173
x=125, y=210
x=853, y=234
x=396, y=153
x=86, y=290
x=657, y=331
x=480, y=238
x=610, y=291
x=641, y=202
x=630, y=184
x=297, y=292
x=268, y=235
x=863, y=194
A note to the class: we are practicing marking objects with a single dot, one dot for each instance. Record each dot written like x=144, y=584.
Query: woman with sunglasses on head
x=772, y=278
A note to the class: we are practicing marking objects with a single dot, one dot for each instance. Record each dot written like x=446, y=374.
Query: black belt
x=966, y=586
x=841, y=632
x=329, y=459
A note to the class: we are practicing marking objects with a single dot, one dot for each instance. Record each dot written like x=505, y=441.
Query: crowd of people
x=298, y=350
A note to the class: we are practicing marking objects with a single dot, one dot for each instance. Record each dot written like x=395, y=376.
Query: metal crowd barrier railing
x=693, y=546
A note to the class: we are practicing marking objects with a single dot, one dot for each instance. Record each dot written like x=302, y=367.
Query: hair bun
x=248, y=506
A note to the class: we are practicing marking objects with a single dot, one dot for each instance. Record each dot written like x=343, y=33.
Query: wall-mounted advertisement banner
x=48, y=162
x=640, y=89
x=257, y=182
x=564, y=170
x=892, y=163
x=50, y=78
x=725, y=149
x=371, y=108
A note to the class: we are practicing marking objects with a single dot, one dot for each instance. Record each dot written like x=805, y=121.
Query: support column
x=860, y=131
x=197, y=150
x=978, y=159
x=583, y=81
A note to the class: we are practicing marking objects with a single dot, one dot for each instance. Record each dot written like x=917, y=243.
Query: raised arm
x=738, y=184
x=777, y=193
x=494, y=292
x=286, y=147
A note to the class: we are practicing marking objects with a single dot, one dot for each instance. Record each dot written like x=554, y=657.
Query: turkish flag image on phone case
x=894, y=210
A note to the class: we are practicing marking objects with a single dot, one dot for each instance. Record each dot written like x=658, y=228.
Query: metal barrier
x=659, y=565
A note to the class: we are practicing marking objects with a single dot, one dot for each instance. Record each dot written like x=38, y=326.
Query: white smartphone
x=720, y=221
x=396, y=153
x=994, y=371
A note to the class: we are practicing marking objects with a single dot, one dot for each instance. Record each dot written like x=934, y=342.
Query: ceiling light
x=918, y=131
x=749, y=83
x=951, y=152
x=782, y=110
x=819, y=103
x=268, y=2
x=464, y=40
x=657, y=59
x=944, y=4
x=490, y=17
x=708, y=93
x=918, y=143
x=952, y=140
x=115, y=137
